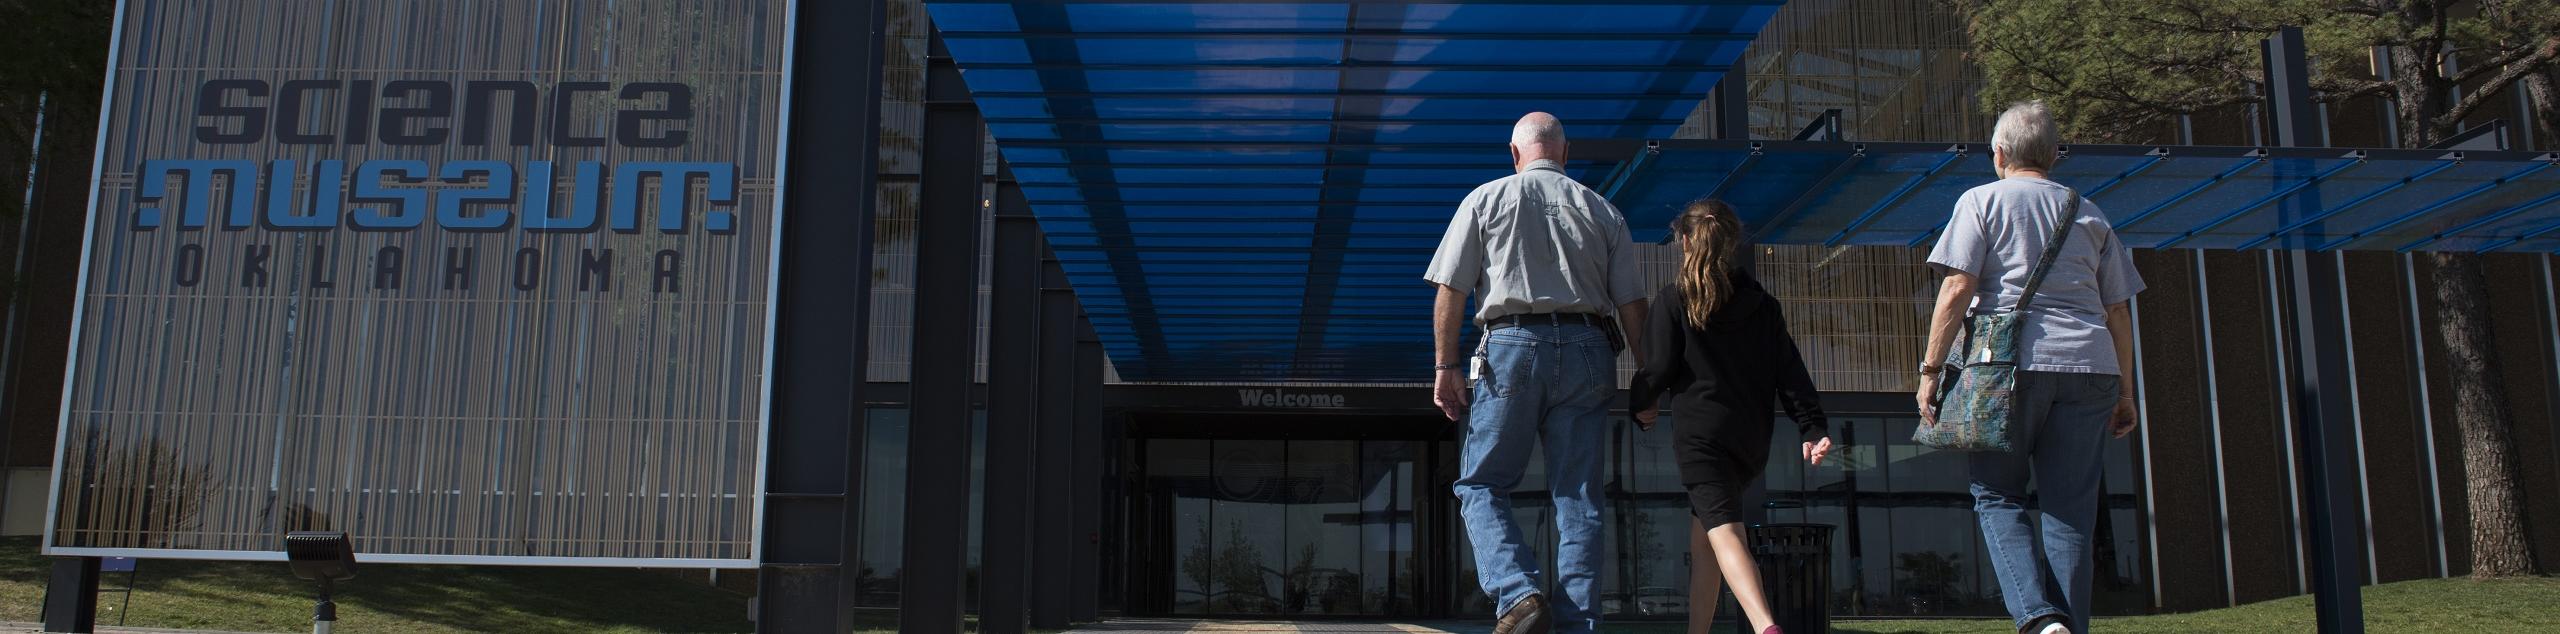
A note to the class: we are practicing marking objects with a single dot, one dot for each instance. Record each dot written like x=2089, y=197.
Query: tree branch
x=2342, y=90
x=2508, y=73
x=2509, y=58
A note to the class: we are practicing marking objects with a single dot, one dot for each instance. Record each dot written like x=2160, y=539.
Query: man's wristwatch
x=1931, y=369
x=1442, y=367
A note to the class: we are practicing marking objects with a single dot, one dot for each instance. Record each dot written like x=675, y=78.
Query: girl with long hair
x=1717, y=344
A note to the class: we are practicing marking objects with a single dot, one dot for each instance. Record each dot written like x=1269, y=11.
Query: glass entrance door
x=1285, y=527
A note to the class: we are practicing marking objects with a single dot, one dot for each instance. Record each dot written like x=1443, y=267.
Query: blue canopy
x=1249, y=192
x=2159, y=197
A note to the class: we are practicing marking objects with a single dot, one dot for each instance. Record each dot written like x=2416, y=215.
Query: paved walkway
x=1190, y=626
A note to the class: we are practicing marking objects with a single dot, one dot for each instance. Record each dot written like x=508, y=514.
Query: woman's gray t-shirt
x=1997, y=234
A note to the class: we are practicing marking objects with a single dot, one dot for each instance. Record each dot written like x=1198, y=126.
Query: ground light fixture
x=326, y=557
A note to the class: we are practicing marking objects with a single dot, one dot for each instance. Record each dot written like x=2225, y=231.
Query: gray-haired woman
x=2076, y=356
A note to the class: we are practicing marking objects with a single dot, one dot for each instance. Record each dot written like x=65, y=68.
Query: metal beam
x=2319, y=379
x=1718, y=3
x=933, y=584
x=2093, y=192
x=2325, y=214
x=2190, y=191
x=1821, y=186
x=813, y=465
x=2529, y=235
x=1953, y=154
x=1350, y=65
x=1732, y=99
x=2262, y=201
x=1090, y=490
x=1012, y=401
x=1053, y=523
x=2482, y=221
x=2430, y=208
x=1397, y=36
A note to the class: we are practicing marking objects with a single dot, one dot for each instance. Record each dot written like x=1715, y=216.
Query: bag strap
x=2052, y=250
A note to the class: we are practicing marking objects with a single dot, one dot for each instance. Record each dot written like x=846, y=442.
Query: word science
x=552, y=202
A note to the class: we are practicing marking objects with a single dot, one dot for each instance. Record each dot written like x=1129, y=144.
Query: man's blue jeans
x=2062, y=427
x=1551, y=383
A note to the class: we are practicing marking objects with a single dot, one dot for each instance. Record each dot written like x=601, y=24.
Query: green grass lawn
x=2438, y=605
x=265, y=597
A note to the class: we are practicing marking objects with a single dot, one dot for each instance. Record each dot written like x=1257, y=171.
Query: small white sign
x=1283, y=398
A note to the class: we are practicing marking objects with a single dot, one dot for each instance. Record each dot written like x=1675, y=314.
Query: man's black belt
x=1512, y=321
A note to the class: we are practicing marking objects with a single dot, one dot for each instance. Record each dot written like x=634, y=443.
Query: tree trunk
x=2500, y=547
x=2545, y=100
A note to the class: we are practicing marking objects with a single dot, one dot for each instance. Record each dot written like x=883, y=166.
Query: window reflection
x=1314, y=527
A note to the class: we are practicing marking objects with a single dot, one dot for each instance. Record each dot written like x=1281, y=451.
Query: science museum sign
x=473, y=281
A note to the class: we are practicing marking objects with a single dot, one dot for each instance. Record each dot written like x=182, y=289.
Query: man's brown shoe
x=1529, y=616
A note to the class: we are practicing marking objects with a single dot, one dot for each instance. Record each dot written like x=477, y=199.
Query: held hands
x=1645, y=418
x=1815, y=451
x=1928, y=400
x=2127, y=415
x=1449, y=391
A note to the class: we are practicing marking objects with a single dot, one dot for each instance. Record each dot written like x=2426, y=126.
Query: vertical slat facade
x=508, y=393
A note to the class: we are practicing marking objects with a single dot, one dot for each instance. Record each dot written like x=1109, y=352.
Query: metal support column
x=813, y=446
x=1053, y=521
x=933, y=592
x=1086, y=602
x=1733, y=105
x=2319, y=377
x=1733, y=122
x=1013, y=400
x=72, y=611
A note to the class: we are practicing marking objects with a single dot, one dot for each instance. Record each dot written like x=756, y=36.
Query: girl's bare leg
x=1704, y=579
x=1735, y=559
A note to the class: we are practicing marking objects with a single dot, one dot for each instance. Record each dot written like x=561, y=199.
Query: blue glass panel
x=1834, y=207
x=1240, y=132
x=1216, y=156
x=2527, y=188
x=1309, y=176
x=1384, y=242
x=1106, y=18
x=1216, y=194
x=985, y=50
x=962, y=18
x=1598, y=50
x=1572, y=18
x=1509, y=82
x=1178, y=228
x=2417, y=195
x=1206, y=50
x=1235, y=212
x=2229, y=195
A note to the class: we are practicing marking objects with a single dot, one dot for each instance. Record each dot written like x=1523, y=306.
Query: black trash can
x=1795, y=573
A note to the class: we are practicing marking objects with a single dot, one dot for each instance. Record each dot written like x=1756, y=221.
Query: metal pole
x=813, y=465
x=1053, y=524
x=324, y=615
x=933, y=589
x=1013, y=402
x=2319, y=377
x=1085, y=599
x=74, y=610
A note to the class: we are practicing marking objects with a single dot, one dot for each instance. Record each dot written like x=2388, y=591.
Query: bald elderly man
x=1550, y=261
